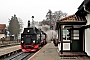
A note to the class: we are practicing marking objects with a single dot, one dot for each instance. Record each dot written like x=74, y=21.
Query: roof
x=71, y=18
x=2, y=26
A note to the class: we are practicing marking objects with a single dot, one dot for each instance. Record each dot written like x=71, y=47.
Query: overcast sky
x=24, y=9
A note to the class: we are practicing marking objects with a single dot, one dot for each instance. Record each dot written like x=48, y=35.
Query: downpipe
x=85, y=9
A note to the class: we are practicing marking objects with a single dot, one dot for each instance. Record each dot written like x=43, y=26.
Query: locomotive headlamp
x=33, y=41
x=22, y=37
x=22, y=41
x=28, y=31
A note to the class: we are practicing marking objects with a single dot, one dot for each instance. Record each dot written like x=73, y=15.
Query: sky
x=25, y=9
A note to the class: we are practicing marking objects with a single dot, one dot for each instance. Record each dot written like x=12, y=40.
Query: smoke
x=51, y=34
x=43, y=27
x=46, y=29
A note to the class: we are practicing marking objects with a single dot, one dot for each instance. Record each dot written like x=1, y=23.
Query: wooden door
x=75, y=44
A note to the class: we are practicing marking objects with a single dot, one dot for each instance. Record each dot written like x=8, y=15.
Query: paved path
x=7, y=50
x=48, y=52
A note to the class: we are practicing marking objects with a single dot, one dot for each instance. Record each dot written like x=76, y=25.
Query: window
x=65, y=33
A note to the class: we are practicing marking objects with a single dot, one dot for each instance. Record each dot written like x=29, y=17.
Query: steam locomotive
x=32, y=38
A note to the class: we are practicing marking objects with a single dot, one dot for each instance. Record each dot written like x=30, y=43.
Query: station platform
x=7, y=50
x=50, y=52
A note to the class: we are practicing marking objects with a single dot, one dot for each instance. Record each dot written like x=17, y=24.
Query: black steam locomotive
x=32, y=38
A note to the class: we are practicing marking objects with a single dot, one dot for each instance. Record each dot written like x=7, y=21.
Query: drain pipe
x=85, y=9
x=88, y=26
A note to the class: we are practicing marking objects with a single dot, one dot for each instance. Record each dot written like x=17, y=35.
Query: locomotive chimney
x=28, y=23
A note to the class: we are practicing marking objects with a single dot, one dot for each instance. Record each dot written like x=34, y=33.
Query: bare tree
x=49, y=17
x=53, y=17
x=58, y=14
x=45, y=22
x=21, y=24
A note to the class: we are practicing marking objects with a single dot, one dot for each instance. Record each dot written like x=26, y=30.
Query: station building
x=78, y=27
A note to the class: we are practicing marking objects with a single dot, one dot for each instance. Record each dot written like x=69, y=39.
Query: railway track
x=20, y=56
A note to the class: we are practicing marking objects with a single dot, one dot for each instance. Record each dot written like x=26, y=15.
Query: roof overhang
x=70, y=23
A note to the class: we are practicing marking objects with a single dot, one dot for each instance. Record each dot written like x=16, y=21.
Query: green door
x=75, y=44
